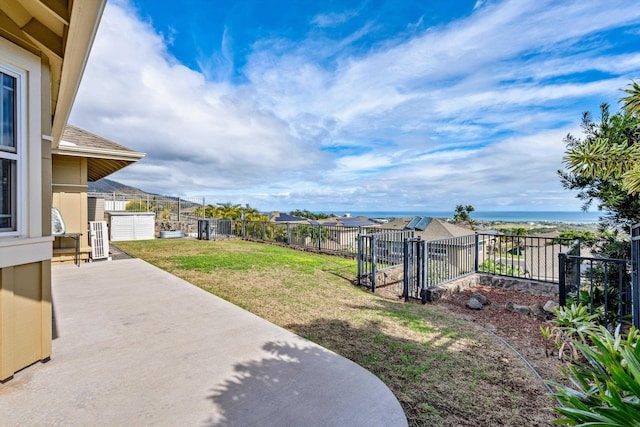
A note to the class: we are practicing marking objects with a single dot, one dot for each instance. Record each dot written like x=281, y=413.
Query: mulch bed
x=521, y=332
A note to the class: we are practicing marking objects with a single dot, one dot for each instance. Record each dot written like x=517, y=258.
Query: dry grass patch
x=443, y=369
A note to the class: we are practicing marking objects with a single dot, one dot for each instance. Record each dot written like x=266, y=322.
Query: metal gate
x=378, y=252
x=635, y=263
x=414, y=270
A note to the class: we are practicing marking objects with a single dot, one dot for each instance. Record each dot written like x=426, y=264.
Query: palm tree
x=632, y=102
x=228, y=211
x=462, y=215
x=252, y=214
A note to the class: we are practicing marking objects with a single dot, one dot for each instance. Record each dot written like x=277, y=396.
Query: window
x=436, y=251
x=9, y=154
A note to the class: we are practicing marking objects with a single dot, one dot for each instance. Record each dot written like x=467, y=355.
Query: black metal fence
x=414, y=280
x=525, y=257
x=444, y=260
x=214, y=229
x=452, y=258
x=378, y=252
x=323, y=238
x=602, y=284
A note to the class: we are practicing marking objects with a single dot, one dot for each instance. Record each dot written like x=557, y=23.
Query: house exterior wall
x=69, y=188
x=25, y=267
x=96, y=209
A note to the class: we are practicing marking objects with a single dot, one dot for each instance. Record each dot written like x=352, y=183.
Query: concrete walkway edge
x=135, y=345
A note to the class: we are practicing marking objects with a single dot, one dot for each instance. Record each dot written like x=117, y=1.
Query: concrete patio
x=134, y=345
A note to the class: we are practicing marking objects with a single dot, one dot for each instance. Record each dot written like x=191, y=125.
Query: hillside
x=108, y=186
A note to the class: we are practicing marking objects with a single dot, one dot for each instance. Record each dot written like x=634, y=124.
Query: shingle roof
x=82, y=138
x=104, y=157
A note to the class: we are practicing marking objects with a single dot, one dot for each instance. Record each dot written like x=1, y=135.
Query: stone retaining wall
x=480, y=279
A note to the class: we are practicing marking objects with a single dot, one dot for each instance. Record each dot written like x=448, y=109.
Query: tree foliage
x=229, y=210
x=604, y=167
x=609, y=151
x=632, y=101
x=136, y=206
x=462, y=215
x=304, y=213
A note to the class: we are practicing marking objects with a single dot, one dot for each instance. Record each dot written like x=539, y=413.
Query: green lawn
x=443, y=369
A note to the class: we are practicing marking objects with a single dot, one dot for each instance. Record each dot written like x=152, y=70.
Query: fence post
x=264, y=230
x=319, y=237
x=288, y=234
x=373, y=263
x=423, y=267
x=475, y=260
x=562, y=285
x=360, y=259
x=178, y=209
x=405, y=290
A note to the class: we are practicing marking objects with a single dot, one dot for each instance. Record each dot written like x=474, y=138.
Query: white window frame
x=21, y=147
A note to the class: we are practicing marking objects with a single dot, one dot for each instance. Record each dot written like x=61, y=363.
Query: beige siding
x=25, y=316
x=96, y=209
x=69, y=184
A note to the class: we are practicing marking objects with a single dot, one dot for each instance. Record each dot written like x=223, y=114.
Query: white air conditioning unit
x=99, y=238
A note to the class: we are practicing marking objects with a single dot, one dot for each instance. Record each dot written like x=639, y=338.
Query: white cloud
x=452, y=115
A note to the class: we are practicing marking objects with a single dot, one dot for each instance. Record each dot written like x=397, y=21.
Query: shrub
x=572, y=325
x=605, y=380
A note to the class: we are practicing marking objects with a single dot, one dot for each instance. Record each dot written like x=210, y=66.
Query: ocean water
x=507, y=216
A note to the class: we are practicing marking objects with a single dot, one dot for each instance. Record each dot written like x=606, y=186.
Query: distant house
x=282, y=217
x=450, y=242
x=80, y=158
x=344, y=230
x=44, y=46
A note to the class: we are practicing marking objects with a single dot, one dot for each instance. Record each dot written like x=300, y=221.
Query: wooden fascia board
x=83, y=25
x=131, y=156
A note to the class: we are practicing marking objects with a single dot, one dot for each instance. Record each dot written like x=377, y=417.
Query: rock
x=538, y=312
x=434, y=294
x=520, y=309
x=481, y=298
x=474, y=304
x=550, y=306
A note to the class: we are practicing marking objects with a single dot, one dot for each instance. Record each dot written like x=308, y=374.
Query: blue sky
x=350, y=106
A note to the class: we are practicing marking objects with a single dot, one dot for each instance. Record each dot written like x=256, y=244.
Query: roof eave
x=65, y=150
x=84, y=21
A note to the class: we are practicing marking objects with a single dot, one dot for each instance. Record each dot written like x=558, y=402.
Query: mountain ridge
x=105, y=185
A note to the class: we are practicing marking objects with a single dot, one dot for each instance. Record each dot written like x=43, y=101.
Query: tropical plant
x=632, y=101
x=228, y=211
x=499, y=267
x=605, y=381
x=571, y=325
x=251, y=214
x=462, y=215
